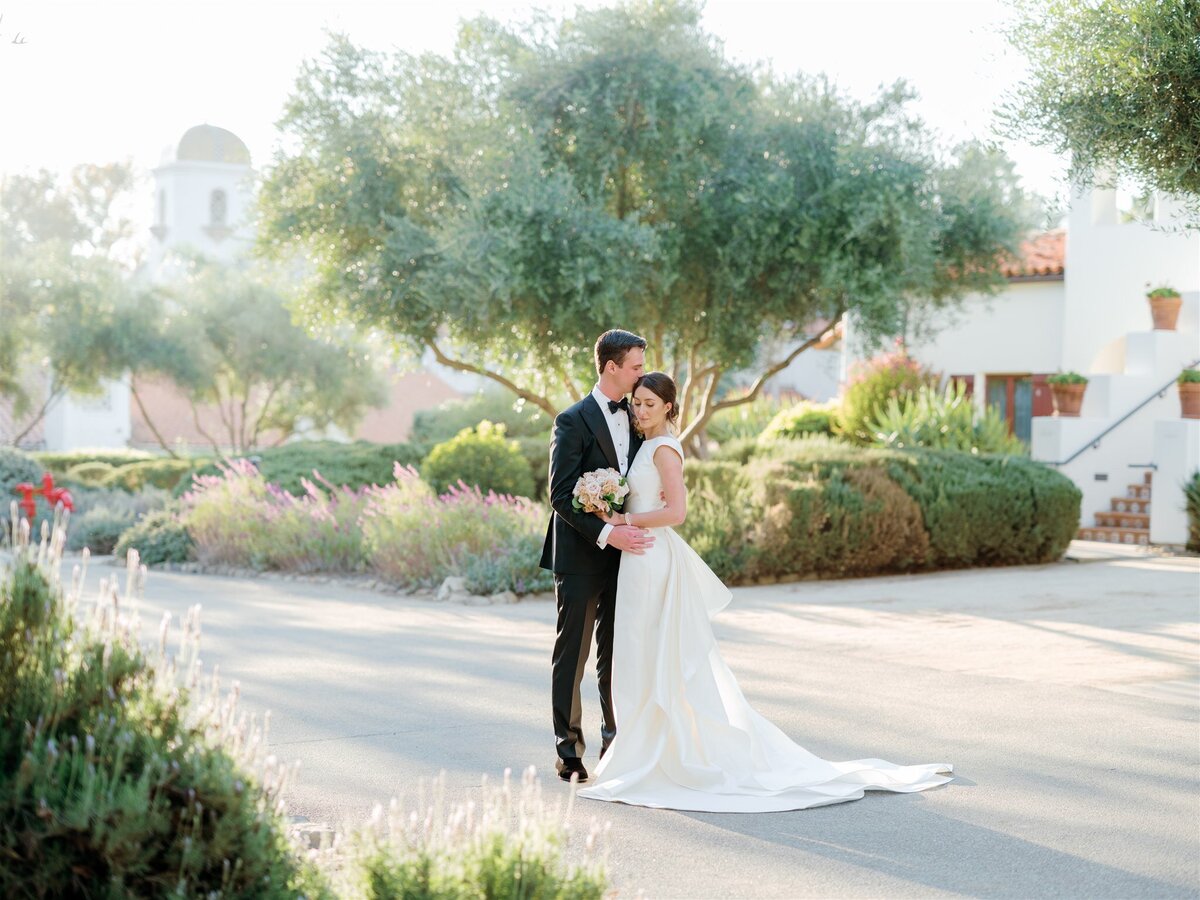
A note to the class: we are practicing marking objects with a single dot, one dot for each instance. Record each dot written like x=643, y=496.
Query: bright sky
x=101, y=81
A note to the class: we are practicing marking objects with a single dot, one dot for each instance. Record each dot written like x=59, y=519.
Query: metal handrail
x=1094, y=443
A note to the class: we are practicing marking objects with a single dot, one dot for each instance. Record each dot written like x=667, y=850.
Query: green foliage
x=1191, y=496
x=117, y=778
x=58, y=461
x=238, y=518
x=525, y=423
x=16, y=468
x=353, y=466
x=1113, y=88
x=240, y=349
x=824, y=507
x=503, y=205
x=508, y=844
x=102, y=515
x=1066, y=378
x=997, y=510
x=1188, y=376
x=480, y=457
x=415, y=538
x=943, y=420
x=744, y=421
x=520, y=420
x=159, y=537
x=720, y=515
x=801, y=420
x=891, y=376
x=90, y=474
x=1163, y=292
x=850, y=521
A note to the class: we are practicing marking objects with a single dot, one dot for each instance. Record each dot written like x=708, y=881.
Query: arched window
x=217, y=206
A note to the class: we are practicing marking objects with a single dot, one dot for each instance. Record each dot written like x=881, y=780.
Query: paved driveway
x=1066, y=696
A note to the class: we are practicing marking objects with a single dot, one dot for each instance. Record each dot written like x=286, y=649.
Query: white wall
x=76, y=421
x=1018, y=330
x=189, y=186
x=1108, y=266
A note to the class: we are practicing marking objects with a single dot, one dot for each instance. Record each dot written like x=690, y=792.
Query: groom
x=583, y=552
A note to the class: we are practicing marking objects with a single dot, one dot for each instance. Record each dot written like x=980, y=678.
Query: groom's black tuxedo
x=585, y=576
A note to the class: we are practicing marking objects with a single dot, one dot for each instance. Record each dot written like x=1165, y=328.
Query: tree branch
x=137, y=398
x=200, y=428
x=540, y=402
x=41, y=414
x=707, y=411
x=262, y=414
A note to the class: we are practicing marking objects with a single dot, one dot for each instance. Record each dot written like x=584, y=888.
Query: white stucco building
x=1077, y=303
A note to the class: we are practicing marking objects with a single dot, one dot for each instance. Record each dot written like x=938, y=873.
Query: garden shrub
x=852, y=521
x=414, y=537
x=1191, y=497
x=16, y=468
x=92, y=473
x=159, y=537
x=117, y=779
x=719, y=515
x=872, y=384
x=819, y=506
x=747, y=420
x=509, y=843
x=436, y=426
x=238, y=518
x=352, y=466
x=164, y=473
x=801, y=420
x=58, y=461
x=943, y=420
x=479, y=457
x=536, y=451
x=102, y=515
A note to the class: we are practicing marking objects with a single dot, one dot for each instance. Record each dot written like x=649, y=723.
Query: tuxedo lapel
x=594, y=417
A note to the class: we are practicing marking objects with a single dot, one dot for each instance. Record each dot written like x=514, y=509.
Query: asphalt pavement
x=1065, y=695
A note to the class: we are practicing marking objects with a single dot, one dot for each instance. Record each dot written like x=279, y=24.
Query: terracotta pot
x=1165, y=312
x=1068, y=398
x=1189, y=400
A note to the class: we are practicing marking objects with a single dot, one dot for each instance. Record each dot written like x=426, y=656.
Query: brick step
x=1122, y=520
x=1141, y=491
x=1130, y=505
x=1115, y=535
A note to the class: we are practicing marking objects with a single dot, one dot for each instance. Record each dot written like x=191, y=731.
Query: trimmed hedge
x=1191, y=498
x=344, y=465
x=480, y=457
x=827, y=508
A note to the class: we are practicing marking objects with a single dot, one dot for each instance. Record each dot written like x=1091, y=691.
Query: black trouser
x=584, y=602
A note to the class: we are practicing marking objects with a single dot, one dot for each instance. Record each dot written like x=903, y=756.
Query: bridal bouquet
x=602, y=491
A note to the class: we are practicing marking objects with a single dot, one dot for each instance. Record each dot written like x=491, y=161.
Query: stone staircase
x=1127, y=522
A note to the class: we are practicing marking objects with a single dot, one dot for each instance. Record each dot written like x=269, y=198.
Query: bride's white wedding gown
x=686, y=737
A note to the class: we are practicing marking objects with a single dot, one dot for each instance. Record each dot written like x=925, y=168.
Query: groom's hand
x=631, y=539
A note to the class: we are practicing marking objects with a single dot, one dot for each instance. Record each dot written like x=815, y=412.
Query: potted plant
x=1068, y=388
x=1189, y=393
x=1164, y=307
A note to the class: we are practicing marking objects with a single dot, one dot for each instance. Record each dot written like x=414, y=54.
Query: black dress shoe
x=572, y=767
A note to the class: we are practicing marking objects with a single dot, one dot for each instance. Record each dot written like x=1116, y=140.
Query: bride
x=686, y=736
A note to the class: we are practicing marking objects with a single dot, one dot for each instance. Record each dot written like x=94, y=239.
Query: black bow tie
x=614, y=405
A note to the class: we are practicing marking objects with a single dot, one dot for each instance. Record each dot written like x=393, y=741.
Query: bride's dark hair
x=662, y=386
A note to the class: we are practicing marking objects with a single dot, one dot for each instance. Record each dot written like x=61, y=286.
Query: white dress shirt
x=618, y=427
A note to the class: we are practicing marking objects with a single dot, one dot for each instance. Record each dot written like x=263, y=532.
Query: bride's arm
x=670, y=469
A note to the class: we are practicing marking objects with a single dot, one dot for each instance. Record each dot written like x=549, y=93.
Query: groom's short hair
x=614, y=344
